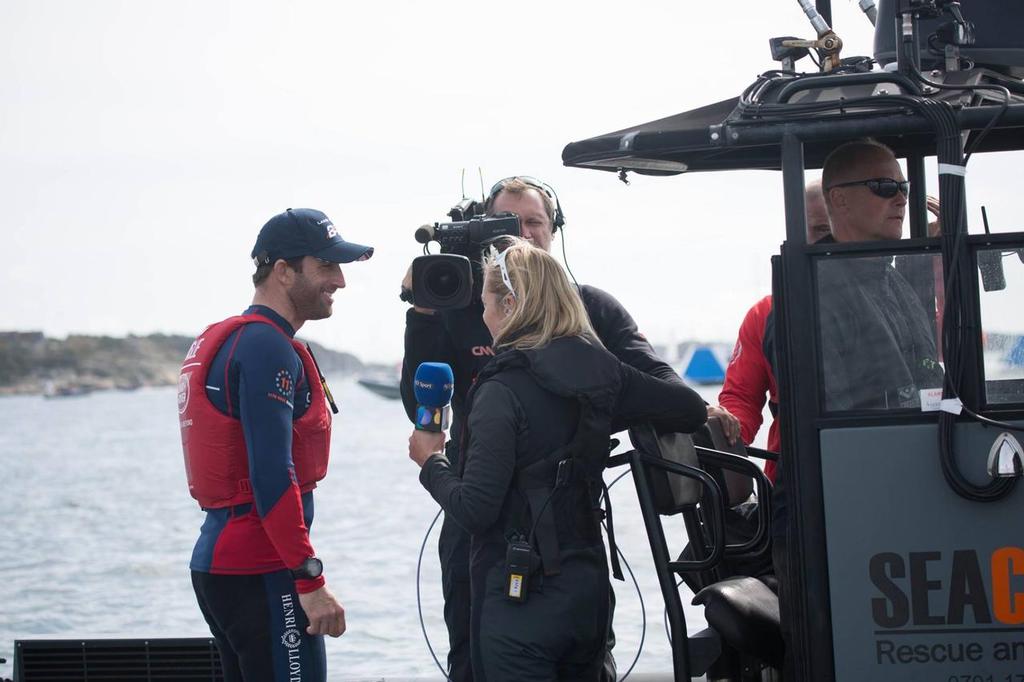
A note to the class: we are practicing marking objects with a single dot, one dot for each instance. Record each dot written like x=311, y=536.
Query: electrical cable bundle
x=955, y=329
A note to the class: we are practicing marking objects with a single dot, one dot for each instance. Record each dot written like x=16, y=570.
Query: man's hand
x=325, y=613
x=423, y=444
x=730, y=424
x=407, y=285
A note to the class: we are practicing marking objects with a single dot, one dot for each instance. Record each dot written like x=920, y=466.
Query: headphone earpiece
x=559, y=216
x=559, y=219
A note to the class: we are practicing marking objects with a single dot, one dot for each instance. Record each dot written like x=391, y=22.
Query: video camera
x=452, y=278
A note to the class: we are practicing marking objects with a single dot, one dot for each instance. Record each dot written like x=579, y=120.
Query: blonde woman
x=536, y=441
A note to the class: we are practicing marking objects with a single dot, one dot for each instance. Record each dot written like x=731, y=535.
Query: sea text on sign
x=945, y=598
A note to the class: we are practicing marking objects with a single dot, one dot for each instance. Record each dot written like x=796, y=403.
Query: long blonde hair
x=546, y=307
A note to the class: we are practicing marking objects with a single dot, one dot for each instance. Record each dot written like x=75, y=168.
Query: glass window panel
x=1001, y=292
x=878, y=324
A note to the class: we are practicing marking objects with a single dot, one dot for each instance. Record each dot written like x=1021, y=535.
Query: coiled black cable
x=419, y=603
x=955, y=329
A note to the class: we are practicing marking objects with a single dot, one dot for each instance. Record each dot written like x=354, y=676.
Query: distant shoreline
x=33, y=364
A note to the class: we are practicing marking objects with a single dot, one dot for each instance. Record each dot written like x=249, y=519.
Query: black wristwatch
x=310, y=569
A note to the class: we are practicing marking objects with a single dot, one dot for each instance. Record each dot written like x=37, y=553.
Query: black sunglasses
x=881, y=187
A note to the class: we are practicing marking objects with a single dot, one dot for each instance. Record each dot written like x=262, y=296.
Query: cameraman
x=460, y=338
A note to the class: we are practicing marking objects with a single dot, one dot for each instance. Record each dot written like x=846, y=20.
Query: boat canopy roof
x=731, y=135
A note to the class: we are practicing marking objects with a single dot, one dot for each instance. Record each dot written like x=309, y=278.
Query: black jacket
x=509, y=429
x=460, y=338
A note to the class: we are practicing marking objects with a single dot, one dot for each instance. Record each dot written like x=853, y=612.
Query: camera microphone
x=433, y=386
x=424, y=234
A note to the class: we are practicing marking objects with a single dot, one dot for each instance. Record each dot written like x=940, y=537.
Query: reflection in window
x=1001, y=287
x=878, y=326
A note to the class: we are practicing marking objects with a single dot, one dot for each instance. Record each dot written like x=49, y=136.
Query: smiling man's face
x=312, y=291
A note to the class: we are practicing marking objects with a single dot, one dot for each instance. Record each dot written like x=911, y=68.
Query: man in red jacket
x=749, y=374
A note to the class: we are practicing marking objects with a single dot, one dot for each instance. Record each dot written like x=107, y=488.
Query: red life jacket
x=216, y=462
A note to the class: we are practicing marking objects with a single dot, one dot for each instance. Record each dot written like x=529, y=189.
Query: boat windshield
x=879, y=320
x=1002, y=326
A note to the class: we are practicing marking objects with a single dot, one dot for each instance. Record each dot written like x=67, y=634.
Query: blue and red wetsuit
x=240, y=562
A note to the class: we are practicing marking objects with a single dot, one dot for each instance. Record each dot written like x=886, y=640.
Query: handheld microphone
x=433, y=387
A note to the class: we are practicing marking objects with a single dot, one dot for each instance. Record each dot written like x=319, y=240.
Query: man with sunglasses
x=460, y=338
x=255, y=429
x=878, y=342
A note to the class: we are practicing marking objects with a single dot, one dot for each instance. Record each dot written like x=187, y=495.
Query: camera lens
x=443, y=281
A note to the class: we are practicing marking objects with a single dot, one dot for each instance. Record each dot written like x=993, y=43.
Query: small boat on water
x=66, y=390
x=385, y=388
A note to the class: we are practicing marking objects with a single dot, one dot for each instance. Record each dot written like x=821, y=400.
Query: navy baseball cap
x=304, y=232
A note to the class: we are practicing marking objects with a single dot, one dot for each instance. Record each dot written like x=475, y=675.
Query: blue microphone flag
x=434, y=384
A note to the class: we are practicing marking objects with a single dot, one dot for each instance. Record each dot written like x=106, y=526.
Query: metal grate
x=116, y=660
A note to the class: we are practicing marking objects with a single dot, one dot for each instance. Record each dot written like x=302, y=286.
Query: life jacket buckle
x=564, y=475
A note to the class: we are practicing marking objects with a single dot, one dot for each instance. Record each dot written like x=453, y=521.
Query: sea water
x=97, y=528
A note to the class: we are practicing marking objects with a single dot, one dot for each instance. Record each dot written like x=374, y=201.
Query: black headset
x=534, y=183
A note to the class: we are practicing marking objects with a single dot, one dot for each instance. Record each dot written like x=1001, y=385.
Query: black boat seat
x=670, y=480
x=771, y=581
x=738, y=486
x=705, y=647
x=745, y=612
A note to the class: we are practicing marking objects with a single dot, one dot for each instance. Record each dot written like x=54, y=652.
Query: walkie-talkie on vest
x=518, y=567
x=433, y=386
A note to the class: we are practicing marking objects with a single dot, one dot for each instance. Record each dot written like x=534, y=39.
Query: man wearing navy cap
x=255, y=417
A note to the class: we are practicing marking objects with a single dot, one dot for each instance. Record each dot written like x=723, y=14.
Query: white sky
x=143, y=144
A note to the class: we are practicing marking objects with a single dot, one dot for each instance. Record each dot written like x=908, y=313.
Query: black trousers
x=559, y=633
x=453, y=549
x=260, y=628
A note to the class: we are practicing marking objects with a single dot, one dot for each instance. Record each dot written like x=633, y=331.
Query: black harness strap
x=579, y=463
x=544, y=529
x=535, y=483
x=613, y=549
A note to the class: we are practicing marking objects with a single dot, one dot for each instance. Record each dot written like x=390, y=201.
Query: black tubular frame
x=794, y=293
x=667, y=569
x=705, y=529
x=831, y=81
x=762, y=488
